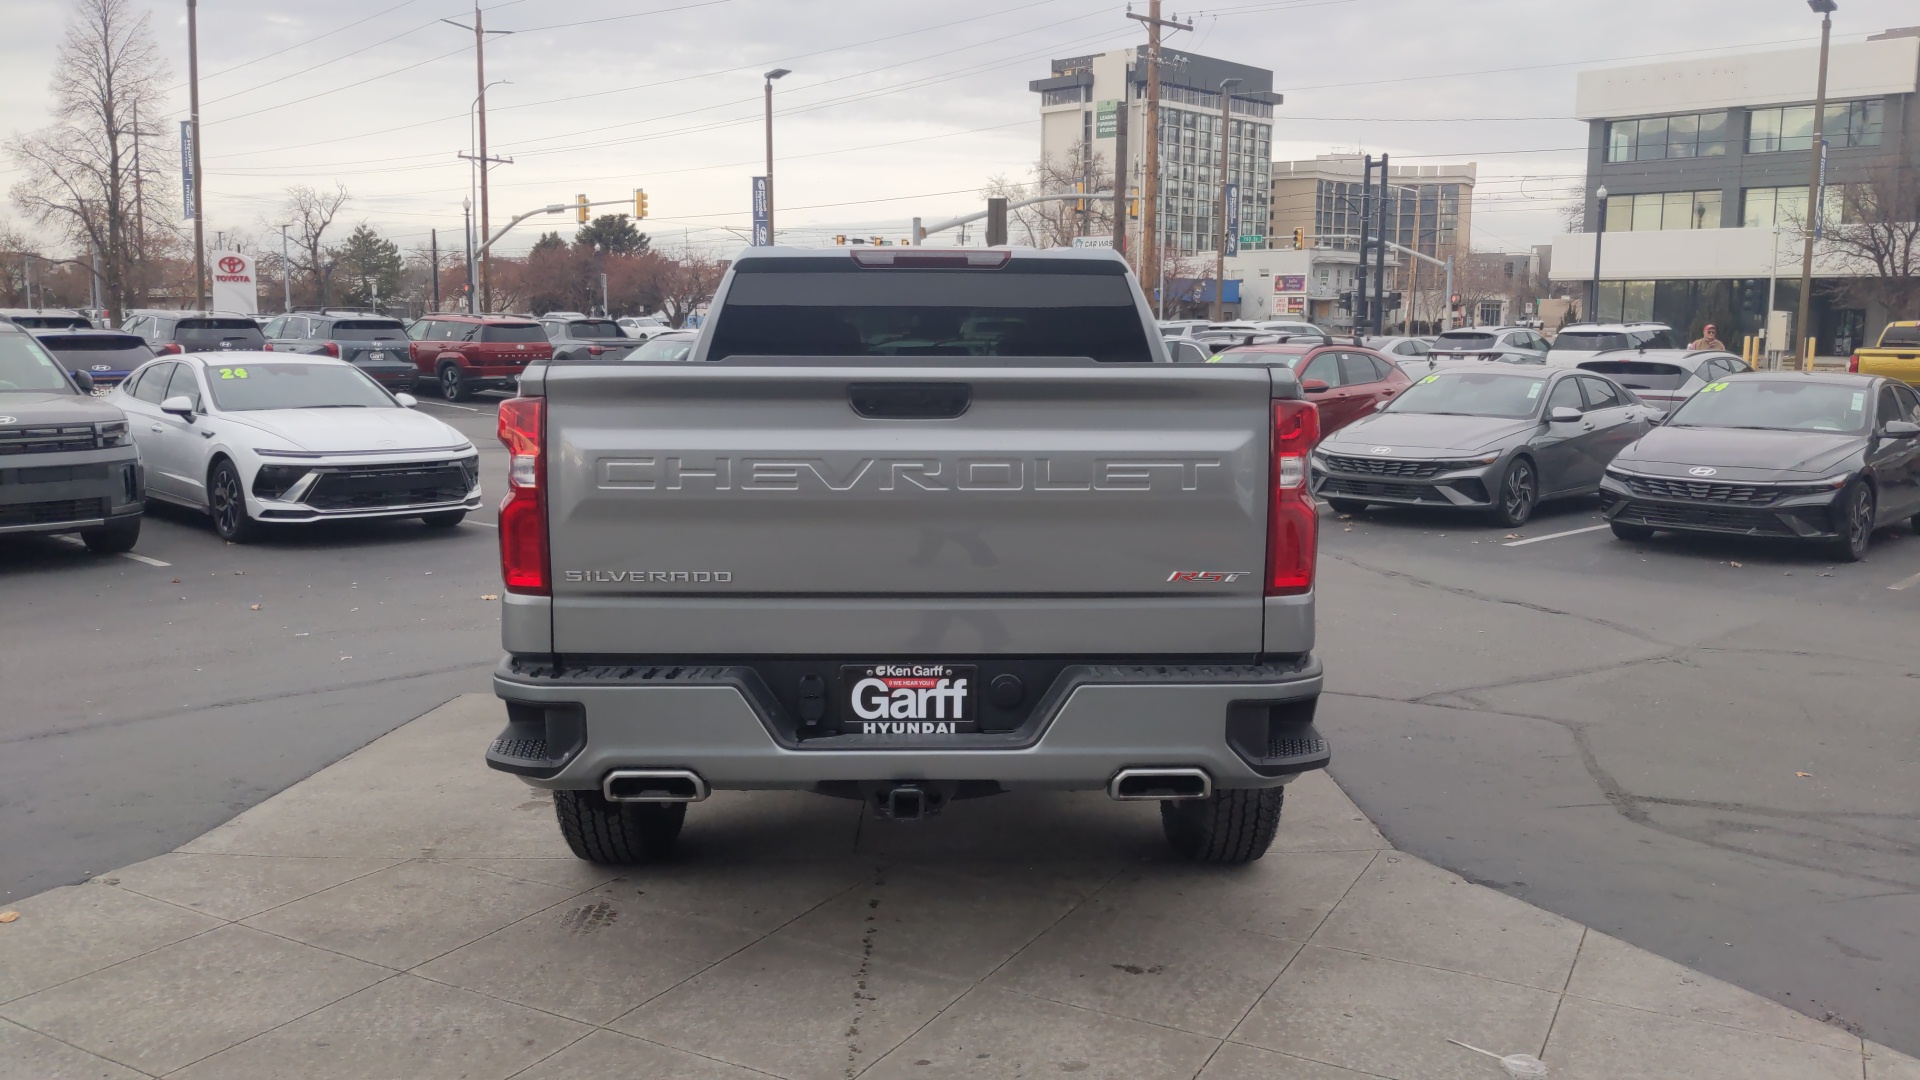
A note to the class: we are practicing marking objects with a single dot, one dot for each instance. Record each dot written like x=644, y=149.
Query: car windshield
x=664, y=348
x=369, y=330
x=1278, y=357
x=1777, y=404
x=506, y=333
x=1453, y=339
x=99, y=351
x=833, y=306
x=1641, y=374
x=235, y=333
x=595, y=328
x=1589, y=341
x=1472, y=393
x=276, y=385
x=25, y=365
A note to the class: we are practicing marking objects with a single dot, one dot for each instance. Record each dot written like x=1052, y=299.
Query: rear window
x=498, y=333
x=114, y=353
x=595, y=328
x=240, y=332
x=1900, y=336
x=1590, y=341
x=1641, y=375
x=369, y=330
x=1455, y=340
x=1652, y=339
x=1286, y=358
x=51, y=322
x=834, y=307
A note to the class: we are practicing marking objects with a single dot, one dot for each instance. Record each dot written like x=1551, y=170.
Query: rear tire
x=1227, y=828
x=1637, y=534
x=112, y=539
x=1347, y=506
x=617, y=834
x=446, y=519
x=454, y=384
x=1519, y=494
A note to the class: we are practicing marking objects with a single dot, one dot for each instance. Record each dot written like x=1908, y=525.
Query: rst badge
x=909, y=699
x=1221, y=577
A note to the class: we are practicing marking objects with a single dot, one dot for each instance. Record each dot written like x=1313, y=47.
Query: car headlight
x=1831, y=483
x=272, y=481
x=113, y=433
x=1617, y=474
x=470, y=467
x=1470, y=463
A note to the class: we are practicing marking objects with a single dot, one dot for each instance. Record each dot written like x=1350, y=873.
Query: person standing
x=1708, y=340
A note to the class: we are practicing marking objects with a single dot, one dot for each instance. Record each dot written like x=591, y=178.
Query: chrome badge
x=1702, y=470
x=1219, y=576
x=1381, y=450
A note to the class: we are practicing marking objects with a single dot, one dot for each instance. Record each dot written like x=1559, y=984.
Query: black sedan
x=1824, y=457
x=1496, y=438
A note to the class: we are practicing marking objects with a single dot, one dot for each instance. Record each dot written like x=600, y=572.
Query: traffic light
x=580, y=209
x=840, y=241
x=639, y=204
x=877, y=241
x=1133, y=206
x=1346, y=300
x=1299, y=239
x=1393, y=301
x=1080, y=205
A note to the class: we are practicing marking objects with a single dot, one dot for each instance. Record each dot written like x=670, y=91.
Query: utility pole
x=480, y=33
x=776, y=73
x=1122, y=167
x=1220, y=249
x=286, y=275
x=466, y=216
x=1150, y=177
x=139, y=214
x=199, y=179
x=1380, y=255
x=1801, y=325
x=435, y=258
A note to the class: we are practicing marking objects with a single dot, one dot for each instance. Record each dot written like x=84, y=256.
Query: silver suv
x=1584, y=341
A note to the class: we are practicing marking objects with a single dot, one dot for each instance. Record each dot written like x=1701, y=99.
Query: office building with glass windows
x=1079, y=116
x=1706, y=165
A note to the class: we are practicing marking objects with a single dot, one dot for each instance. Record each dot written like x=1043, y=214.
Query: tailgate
x=717, y=508
x=1894, y=363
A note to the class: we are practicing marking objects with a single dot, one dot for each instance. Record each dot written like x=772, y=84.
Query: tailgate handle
x=909, y=401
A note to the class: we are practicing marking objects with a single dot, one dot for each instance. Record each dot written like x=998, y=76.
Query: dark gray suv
x=376, y=344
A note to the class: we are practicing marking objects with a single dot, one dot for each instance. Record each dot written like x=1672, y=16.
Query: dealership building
x=1706, y=164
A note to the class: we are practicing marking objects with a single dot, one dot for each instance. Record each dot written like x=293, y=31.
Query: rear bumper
x=1245, y=725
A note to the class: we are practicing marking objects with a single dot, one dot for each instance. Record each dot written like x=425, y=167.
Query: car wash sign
x=234, y=287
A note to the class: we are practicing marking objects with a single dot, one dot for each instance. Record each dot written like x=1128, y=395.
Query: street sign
x=1106, y=119
x=1233, y=221
x=1254, y=238
x=762, y=234
x=1093, y=241
x=186, y=168
x=234, y=286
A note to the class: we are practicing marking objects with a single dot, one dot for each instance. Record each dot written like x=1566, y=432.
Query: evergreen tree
x=369, y=265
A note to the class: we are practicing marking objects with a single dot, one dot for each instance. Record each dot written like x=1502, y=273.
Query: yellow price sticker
x=1430, y=378
x=1711, y=387
x=233, y=373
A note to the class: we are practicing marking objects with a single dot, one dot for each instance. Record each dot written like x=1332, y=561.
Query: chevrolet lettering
x=982, y=535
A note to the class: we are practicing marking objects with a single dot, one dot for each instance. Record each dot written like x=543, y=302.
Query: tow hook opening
x=654, y=785
x=1140, y=784
x=908, y=802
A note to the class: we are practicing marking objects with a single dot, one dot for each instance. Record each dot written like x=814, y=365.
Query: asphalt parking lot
x=1706, y=748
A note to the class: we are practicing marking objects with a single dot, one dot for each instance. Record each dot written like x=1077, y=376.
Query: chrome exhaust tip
x=653, y=785
x=1135, y=785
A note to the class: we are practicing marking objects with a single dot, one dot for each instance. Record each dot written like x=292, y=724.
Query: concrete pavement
x=407, y=913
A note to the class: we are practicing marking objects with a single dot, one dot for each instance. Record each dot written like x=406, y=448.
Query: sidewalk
x=409, y=914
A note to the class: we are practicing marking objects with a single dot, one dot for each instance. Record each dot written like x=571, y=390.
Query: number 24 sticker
x=1431, y=378
x=1711, y=387
x=233, y=373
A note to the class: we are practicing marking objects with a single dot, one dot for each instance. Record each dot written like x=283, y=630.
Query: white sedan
x=253, y=437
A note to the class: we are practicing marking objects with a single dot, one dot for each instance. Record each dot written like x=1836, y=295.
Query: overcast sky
x=895, y=108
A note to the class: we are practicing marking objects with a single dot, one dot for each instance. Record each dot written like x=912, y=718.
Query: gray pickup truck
x=911, y=526
x=67, y=460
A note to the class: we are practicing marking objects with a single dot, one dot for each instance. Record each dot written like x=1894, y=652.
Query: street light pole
x=1801, y=329
x=1599, y=233
x=199, y=181
x=286, y=275
x=1220, y=249
x=776, y=73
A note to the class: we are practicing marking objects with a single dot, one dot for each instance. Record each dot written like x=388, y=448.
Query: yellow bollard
x=1806, y=358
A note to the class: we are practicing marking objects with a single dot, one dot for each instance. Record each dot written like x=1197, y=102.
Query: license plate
x=909, y=699
x=376, y=356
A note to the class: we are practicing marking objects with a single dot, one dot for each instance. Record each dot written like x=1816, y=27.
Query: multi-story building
x=1079, y=116
x=1429, y=209
x=1706, y=164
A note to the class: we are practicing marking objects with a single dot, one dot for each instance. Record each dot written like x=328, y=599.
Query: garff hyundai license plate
x=909, y=699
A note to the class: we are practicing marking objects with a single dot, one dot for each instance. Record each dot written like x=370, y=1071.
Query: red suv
x=1346, y=381
x=464, y=353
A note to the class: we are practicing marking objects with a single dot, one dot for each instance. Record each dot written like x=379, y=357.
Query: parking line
x=484, y=524
x=1552, y=536
x=143, y=559
x=450, y=405
x=1907, y=583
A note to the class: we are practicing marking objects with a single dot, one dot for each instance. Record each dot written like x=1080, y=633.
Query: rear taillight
x=523, y=518
x=171, y=348
x=1853, y=363
x=595, y=350
x=1293, y=526
x=331, y=348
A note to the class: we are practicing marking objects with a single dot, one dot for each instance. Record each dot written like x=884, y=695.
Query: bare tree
x=310, y=213
x=1875, y=245
x=1055, y=224
x=80, y=172
x=683, y=284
